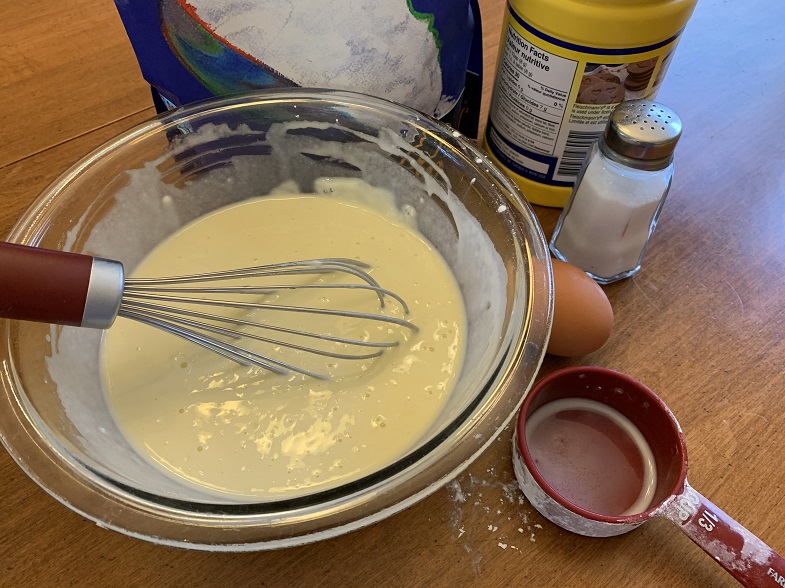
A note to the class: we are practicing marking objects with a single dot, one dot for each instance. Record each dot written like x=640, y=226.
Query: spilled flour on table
x=490, y=509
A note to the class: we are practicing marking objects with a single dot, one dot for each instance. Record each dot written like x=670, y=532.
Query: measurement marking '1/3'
x=708, y=521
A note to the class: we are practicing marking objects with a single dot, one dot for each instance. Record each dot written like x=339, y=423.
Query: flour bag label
x=426, y=54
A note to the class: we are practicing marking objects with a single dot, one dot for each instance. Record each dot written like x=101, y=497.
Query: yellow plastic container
x=563, y=66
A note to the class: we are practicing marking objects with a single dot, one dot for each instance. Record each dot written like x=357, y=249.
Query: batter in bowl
x=245, y=432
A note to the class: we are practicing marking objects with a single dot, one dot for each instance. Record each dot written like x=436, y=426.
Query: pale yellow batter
x=245, y=432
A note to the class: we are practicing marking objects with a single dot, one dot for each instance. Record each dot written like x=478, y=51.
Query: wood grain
x=702, y=324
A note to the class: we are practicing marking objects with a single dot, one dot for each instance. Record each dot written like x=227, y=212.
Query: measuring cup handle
x=742, y=554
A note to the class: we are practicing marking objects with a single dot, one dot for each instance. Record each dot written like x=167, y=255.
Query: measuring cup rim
x=523, y=448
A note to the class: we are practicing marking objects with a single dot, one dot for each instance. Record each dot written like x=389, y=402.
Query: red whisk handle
x=48, y=286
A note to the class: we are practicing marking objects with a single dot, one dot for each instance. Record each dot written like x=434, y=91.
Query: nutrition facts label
x=531, y=96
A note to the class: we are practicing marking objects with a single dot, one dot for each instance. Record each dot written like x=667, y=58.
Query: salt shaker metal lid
x=641, y=134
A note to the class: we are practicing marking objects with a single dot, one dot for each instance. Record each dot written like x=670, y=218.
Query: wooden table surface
x=703, y=325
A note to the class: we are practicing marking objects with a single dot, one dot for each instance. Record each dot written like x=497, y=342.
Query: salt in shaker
x=611, y=214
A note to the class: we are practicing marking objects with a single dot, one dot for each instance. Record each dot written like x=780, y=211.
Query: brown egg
x=582, y=313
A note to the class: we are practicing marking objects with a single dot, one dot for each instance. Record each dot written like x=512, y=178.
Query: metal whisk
x=72, y=289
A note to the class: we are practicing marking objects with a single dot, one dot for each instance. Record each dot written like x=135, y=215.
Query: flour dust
x=489, y=510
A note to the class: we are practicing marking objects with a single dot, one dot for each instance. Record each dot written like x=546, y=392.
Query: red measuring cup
x=640, y=413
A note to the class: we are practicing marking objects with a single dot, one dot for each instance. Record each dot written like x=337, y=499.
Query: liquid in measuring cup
x=593, y=456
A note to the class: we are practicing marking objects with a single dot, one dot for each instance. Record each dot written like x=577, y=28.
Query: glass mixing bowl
x=131, y=193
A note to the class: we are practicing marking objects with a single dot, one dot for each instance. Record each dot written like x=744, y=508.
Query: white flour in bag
x=379, y=47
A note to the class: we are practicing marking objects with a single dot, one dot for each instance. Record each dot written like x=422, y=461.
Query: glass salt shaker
x=611, y=214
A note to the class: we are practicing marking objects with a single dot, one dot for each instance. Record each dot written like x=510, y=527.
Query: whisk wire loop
x=230, y=351
x=132, y=306
x=171, y=304
x=310, y=266
x=235, y=334
x=273, y=307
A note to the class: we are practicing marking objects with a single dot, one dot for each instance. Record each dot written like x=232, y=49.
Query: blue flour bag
x=426, y=54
